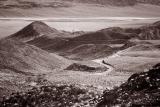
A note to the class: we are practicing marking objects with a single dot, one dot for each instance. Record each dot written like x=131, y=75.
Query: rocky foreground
x=141, y=90
x=60, y=95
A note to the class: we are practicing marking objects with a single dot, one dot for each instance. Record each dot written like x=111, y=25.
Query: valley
x=73, y=53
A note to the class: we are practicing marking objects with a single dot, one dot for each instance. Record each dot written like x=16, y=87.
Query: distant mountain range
x=79, y=8
x=118, y=2
x=64, y=3
x=26, y=4
x=121, y=2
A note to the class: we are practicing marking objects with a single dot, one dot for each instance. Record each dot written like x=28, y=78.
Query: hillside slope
x=23, y=66
x=25, y=58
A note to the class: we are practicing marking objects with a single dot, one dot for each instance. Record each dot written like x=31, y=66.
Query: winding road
x=103, y=63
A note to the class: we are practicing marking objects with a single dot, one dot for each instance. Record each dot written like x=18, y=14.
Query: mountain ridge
x=25, y=4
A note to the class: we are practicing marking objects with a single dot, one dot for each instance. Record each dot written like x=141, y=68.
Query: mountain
x=34, y=30
x=141, y=89
x=38, y=30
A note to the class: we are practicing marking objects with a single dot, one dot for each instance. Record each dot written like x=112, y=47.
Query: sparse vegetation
x=53, y=96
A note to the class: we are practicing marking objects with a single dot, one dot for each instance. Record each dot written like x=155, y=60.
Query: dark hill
x=142, y=89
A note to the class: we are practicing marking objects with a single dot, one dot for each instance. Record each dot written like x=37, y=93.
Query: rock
x=141, y=89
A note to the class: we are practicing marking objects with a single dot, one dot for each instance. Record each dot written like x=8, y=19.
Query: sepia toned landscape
x=74, y=53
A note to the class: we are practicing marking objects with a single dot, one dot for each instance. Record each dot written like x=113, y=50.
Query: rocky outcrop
x=141, y=89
